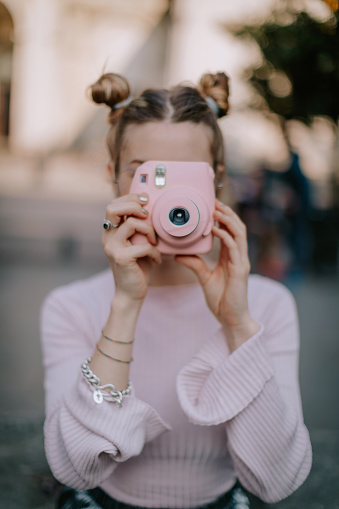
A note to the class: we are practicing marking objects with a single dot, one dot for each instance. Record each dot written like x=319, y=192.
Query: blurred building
x=52, y=153
x=51, y=50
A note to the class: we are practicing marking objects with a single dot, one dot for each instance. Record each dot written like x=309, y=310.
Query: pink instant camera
x=181, y=205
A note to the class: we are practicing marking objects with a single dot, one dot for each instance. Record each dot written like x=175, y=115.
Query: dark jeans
x=98, y=499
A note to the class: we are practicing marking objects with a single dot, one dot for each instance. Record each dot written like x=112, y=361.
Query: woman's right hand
x=131, y=264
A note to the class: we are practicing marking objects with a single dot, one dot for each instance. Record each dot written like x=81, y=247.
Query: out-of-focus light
x=321, y=11
x=264, y=72
x=315, y=146
x=325, y=63
x=253, y=141
x=333, y=4
x=279, y=84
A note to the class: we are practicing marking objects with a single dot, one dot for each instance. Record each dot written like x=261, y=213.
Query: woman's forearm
x=120, y=326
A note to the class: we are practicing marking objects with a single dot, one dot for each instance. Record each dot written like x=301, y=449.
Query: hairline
x=167, y=120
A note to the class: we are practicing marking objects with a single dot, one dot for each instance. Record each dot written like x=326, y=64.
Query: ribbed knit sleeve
x=85, y=441
x=255, y=392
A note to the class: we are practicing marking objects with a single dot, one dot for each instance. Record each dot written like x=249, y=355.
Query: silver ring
x=108, y=225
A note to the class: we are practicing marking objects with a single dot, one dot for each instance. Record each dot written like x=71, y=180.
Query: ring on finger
x=107, y=225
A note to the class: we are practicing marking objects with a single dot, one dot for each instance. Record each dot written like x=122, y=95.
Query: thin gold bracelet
x=113, y=358
x=116, y=341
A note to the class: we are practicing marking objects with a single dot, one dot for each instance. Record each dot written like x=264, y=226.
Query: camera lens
x=179, y=216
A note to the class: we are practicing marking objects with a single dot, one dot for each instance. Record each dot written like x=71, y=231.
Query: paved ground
x=25, y=480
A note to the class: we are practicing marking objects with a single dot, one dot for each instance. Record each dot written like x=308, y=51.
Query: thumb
x=197, y=265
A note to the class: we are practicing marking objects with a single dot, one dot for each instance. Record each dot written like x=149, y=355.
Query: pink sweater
x=199, y=416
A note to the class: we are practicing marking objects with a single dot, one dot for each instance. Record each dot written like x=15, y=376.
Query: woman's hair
x=181, y=103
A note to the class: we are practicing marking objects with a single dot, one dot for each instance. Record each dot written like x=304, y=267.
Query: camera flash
x=143, y=179
x=160, y=175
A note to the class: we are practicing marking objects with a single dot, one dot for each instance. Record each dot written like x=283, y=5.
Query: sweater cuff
x=216, y=385
x=134, y=419
x=82, y=438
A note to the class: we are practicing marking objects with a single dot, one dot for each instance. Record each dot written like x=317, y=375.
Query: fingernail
x=143, y=198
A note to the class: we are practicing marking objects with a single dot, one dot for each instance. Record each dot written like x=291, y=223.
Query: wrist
x=238, y=334
x=122, y=320
x=122, y=304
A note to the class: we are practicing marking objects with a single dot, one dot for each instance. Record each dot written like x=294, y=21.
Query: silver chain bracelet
x=98, y=395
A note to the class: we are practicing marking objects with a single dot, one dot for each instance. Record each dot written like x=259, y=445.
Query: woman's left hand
x=225, y=286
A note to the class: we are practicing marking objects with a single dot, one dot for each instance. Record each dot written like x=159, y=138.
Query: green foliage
x=299, y=77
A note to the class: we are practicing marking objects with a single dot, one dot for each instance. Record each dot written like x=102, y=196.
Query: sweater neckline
x=184, y=286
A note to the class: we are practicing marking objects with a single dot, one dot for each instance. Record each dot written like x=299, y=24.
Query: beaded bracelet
x=112, y=358
x=98, y=395
x=116, y=341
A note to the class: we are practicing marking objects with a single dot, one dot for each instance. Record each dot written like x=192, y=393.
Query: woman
x=212, y=395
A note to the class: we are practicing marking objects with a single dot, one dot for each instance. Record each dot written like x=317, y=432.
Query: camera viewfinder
x=160, y=175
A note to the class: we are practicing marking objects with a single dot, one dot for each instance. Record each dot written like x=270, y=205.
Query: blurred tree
x=298, y=78
x=299, y=74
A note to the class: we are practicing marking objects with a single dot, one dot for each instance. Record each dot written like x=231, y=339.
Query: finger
x=225, y=209
x=142, y=250
x=138, y=198
x=228, y=214
x=116, y=212
x=130, y=205
x=234, y=226
x=228, y=241
x=225, y=220
x=134, y=225
x=197, y=265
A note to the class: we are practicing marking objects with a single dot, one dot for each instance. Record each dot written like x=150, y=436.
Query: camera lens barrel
x=179, y=216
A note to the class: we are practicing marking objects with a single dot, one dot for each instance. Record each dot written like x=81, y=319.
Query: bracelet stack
x=116, y=341
x=98, y=395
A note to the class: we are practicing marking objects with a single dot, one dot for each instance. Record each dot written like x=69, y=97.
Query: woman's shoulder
x=258, y=283
x=272, y=305
x=99, y=287
x=267, y=293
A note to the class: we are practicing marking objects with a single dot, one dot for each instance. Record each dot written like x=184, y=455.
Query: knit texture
x=199, y=416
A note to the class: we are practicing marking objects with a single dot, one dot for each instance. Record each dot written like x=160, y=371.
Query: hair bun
x=110, y=89
x=216, y=86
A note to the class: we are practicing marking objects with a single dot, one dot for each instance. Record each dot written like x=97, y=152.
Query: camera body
x=181, y=204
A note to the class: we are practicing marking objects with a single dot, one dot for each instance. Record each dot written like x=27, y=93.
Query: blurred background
x=282, y=146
